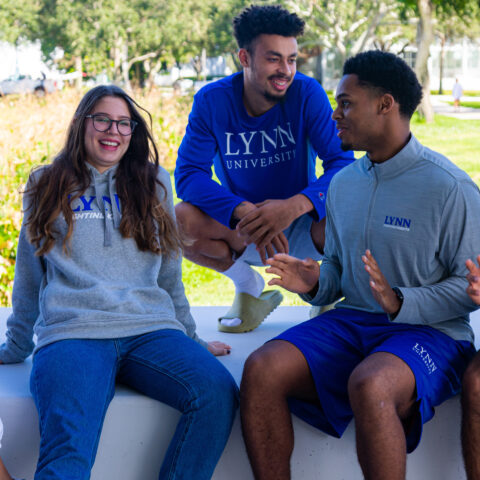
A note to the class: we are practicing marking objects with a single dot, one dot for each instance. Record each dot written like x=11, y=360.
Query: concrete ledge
x=137, y=429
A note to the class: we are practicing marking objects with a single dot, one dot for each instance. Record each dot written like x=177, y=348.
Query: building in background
x=460, y=60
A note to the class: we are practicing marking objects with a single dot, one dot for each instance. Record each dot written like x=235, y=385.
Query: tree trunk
x=424, y=41
x=139, y=83
x=151, y=72
x=147, y=66
x=318, y=73
x=442, y=63
x=125, y=67
x=204, y=63
x=197, y=65
x=79, y=70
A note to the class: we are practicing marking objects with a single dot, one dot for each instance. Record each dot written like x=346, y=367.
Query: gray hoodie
x=104, y=288
x=419, y=215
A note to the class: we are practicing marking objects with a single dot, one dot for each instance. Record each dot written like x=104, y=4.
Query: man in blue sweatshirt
x=262, y=130
x=401, y=223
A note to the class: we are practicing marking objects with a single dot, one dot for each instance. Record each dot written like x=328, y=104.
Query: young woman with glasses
x=98, y=280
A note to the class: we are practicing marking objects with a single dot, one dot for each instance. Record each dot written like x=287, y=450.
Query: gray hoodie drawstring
x=108, y=228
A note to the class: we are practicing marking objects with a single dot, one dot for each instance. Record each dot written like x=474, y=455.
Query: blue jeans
x=73, y=382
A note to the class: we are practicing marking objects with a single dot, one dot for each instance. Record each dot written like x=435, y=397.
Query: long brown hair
x=143, y=216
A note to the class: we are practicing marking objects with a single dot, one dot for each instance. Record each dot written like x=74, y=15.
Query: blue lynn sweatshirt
x=272, y=156
x=104, y=288
x=419, y=215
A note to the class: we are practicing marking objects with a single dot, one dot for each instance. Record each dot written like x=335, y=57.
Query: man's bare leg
x=317, y=231
x=382, y=395
x=212, y=243
x=271, y=374
x=471, y=419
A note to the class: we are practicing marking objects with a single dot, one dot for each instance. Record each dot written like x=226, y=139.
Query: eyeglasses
x=102, y=123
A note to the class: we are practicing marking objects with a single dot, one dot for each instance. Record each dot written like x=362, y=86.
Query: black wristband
x=399, y=295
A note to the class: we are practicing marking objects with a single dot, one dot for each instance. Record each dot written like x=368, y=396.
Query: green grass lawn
x=20, y=149
x=459, y=140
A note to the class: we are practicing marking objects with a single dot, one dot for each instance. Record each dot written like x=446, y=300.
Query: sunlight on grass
x=207, y=287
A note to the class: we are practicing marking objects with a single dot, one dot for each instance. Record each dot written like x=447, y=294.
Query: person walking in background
x=262, y=130
x=457, y=92
x=98, y=280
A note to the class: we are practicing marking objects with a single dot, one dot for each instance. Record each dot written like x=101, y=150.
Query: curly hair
x=52, y=189
x=387, y=73
x=256, y=20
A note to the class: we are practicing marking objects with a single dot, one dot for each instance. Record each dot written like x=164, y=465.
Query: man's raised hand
x=264, y=226
x=264, y=223
x=293, y=274
x=473, y=277
x=382, y=291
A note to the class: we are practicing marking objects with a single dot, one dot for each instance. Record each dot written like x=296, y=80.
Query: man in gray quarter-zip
x=401, y=222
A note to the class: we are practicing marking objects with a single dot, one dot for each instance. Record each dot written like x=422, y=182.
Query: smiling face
x=106, y=149
x=357, y=115
x=268, y=70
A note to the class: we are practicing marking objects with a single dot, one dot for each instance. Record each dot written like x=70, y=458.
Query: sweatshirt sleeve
x=322, y=134
x=460, y=234
x=170, y=275
x=329, y=282
x=193, y=171
x=29, y=274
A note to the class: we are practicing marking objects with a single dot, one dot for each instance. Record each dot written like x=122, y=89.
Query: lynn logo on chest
x=398, y=223
x=84, y=207
x=259, y=148
x=85, y=204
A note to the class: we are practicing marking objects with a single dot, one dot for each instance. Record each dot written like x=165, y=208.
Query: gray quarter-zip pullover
x=419, y=215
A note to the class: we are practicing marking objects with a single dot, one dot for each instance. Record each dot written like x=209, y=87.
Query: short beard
x=275, y=98
x=346, y=146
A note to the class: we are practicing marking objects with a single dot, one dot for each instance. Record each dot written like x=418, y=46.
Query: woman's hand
x=219, y=348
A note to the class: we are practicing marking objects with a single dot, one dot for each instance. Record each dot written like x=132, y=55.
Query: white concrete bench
x=137, y=429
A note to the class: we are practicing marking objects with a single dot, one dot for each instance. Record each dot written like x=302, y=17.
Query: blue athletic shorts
x=335, y=342
x=300, y=243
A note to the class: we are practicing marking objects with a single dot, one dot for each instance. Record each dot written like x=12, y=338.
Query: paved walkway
x=441, y=106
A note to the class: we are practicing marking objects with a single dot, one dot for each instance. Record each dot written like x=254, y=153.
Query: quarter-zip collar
x=399, y=163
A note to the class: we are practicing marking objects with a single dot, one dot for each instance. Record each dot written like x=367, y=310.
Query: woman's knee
x=218, y=393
